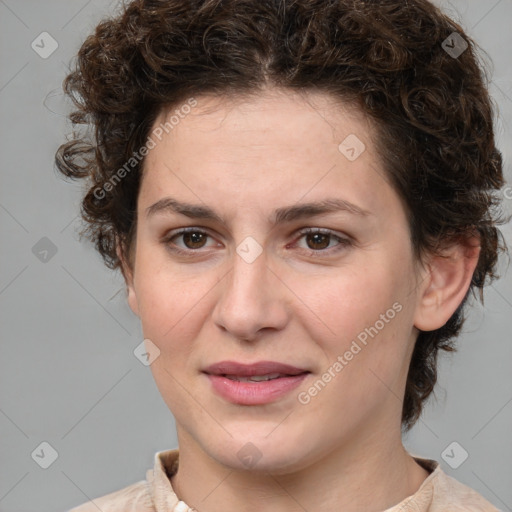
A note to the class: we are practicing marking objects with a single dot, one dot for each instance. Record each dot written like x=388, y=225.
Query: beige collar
x=165, y=499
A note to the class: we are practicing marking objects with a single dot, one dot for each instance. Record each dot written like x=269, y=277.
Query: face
x=329, y=289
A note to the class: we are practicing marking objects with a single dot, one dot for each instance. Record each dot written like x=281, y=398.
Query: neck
x=340, y=480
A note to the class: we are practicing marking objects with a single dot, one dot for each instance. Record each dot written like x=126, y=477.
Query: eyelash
x=342, y=242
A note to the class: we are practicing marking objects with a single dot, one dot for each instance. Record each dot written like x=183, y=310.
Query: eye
x=192, y=238
x=319, y=241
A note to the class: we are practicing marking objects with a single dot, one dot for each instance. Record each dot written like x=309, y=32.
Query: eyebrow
x=280, y=215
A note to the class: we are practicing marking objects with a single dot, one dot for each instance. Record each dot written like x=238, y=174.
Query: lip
x=254, y=393
x=248, y=370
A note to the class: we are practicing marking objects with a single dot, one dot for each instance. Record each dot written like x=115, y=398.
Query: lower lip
x=254, y=393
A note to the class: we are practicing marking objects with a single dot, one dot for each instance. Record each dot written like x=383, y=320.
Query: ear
x=127, y=272
x=446, y=283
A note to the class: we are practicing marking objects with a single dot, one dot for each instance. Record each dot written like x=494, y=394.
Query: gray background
x=68, y=375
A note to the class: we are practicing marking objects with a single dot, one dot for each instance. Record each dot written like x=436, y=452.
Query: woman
x=300, y=198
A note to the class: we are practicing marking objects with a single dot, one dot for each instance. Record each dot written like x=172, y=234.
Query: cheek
x=171, y=303
x=363, y=316
x=173, y=310
x=345, y=302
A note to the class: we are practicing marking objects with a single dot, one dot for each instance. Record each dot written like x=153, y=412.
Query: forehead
x=264, y=147
x=290, y=115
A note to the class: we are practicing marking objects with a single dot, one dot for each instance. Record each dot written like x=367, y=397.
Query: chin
x=274, y=453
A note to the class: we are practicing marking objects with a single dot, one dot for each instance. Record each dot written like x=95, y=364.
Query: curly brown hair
x=431, y=110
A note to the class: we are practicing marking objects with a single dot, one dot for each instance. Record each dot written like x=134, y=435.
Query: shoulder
x=143, y=495
x=452, y=495
x=442, y=493
x=133, y=498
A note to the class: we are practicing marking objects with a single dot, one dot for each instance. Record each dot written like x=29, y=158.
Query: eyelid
x=324, y=231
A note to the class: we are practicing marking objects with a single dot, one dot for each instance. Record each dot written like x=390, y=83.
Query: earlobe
x=132, y=299
x=446, y=284
x=127, y=272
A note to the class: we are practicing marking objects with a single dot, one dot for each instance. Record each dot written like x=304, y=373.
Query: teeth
x=255, y=378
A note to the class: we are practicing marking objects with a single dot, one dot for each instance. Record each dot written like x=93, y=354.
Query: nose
x=252, y=299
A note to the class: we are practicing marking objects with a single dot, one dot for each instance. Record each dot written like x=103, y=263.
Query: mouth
x=258, y=378
x=254, y=384
x=261, y=370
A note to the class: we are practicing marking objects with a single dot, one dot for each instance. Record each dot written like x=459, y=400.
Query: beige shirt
x=438, y=493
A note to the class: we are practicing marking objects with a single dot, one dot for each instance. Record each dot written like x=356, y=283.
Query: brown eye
x=322, y=242
x=318, y=241
x=188, y=241
x=194, y=239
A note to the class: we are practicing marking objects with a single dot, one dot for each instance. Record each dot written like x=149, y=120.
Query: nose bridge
x=247, y=276
x=249, y=301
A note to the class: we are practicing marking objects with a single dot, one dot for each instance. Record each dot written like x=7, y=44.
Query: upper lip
x=248, y=370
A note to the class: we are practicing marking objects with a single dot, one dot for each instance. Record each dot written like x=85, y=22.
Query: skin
x=244, y=158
